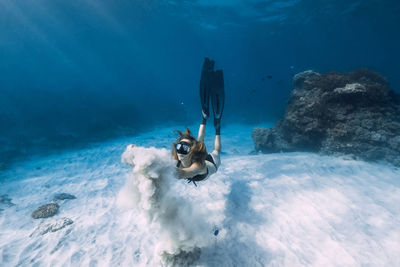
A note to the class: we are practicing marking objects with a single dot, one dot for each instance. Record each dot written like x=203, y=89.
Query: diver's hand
x=130, y=146
x=179, y=173
x=191, y=171
x=128, y=156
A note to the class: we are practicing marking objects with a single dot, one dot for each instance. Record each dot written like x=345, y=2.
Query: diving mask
x=183, y=147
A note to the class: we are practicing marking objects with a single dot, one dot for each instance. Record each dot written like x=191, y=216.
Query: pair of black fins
x=212, y=87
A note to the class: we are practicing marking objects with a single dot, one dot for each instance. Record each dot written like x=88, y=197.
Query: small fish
x=268, y=76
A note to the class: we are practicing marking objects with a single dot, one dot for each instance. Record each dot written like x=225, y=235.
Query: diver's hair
x=198, y=151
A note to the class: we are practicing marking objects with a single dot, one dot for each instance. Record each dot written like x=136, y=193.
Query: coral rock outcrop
x=333, y=113
x=45, y=211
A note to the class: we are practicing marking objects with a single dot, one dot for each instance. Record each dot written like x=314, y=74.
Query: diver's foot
x=218, y=96
x=205, y=87
x=217, y=126
x=204, y=117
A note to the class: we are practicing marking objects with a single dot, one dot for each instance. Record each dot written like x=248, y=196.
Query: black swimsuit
x=199, y=177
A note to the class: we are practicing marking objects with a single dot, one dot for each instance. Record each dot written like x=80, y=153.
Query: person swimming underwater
x=193, y=161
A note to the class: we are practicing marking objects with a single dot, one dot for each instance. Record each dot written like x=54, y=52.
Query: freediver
x=194, y=163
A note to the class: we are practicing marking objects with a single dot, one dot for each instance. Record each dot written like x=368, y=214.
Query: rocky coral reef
x=6, y=201
x=52, y=226
x=63, y=196
x=45, y=211
x=334, y=113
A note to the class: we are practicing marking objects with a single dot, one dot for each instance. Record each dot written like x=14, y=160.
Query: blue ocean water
x=79, y=71
x=82, y=80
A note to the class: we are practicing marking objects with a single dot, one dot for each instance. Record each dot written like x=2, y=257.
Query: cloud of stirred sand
x=177, y=226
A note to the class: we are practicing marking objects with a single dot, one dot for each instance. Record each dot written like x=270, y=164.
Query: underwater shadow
x=237, y=248
x=233, y=252
x=238, y=204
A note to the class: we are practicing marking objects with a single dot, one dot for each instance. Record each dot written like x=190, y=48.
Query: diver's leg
x=202, y=132
x=217, y=143
x=217, y=101
x=216, y=152
x=205, y=90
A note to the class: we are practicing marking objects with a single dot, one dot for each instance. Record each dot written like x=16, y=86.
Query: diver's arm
x=193, y=170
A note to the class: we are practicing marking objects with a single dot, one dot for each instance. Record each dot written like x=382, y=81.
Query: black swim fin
x=205, y=87
x=218, y=98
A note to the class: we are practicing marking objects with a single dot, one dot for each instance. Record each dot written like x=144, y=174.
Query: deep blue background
x=85, y=70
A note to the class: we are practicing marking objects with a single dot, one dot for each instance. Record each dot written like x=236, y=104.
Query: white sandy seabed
x=290, y=209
